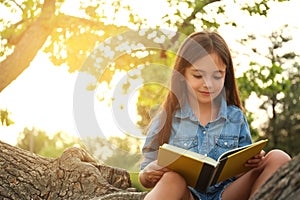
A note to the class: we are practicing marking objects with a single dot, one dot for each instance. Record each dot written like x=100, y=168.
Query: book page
x=190, y=154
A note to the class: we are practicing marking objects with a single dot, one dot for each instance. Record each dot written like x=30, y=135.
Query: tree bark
x=74, y=175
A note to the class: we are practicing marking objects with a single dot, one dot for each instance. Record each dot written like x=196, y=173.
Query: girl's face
x=205, y=78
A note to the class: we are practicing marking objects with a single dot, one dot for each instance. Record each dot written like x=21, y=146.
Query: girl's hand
x=151, y=174
x=256, y=160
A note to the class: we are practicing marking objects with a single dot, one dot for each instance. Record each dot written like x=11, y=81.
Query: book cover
x=201, y=171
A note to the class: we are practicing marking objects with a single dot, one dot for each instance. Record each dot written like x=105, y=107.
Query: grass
x=134, y=177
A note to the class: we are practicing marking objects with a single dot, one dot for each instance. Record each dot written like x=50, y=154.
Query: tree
x=288, y=119
x=275, y=82
x=32, y=140
x=74, y=175
x=125, y=147
x=38, y=142
x=57, y=34
x=112, y=151
x=39, y=20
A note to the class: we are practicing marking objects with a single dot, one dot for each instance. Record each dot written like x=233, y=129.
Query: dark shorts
x=214, y=193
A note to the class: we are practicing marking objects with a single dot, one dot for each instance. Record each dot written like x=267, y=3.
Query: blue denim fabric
x=228, y=131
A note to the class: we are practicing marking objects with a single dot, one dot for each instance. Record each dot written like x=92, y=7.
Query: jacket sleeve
x=150, y=148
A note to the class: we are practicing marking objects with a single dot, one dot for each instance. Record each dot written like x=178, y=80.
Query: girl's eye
x=197, y=76
x=218, y=77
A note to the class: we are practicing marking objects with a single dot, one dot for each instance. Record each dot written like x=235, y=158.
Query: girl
x=203, y=113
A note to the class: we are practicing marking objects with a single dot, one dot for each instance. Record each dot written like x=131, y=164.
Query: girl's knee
x=277, y=156
x=174, y=178
x=170, y=186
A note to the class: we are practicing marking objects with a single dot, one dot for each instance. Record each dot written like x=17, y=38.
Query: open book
x=201, y=171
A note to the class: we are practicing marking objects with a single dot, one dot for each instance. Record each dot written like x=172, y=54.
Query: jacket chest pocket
x=224, y=144
x=188, y=143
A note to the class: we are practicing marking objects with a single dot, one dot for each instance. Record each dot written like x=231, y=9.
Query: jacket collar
x=187, y=112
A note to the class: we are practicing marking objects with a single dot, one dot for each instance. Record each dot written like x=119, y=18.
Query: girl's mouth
x=204, y=93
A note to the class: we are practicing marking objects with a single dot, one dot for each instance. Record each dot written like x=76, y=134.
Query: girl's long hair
x=197, y=45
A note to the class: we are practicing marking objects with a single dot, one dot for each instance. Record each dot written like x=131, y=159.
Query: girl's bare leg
x=246, y=185
x=171, y=186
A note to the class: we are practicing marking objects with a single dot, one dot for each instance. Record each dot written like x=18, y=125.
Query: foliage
x=286, y=123
x=274, y=83
x=65, y=46
x=39, y=142
x=95, y=26
x=5, y=119
x=113, y=150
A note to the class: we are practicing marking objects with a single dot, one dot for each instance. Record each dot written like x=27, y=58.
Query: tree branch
x=27, y=47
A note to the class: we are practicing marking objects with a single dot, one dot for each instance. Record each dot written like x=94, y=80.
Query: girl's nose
x=207, y=83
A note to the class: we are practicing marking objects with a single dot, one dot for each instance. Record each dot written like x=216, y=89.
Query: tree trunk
x=74, y=175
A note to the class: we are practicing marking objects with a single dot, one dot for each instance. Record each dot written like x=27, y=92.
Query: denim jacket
x=228, y=131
